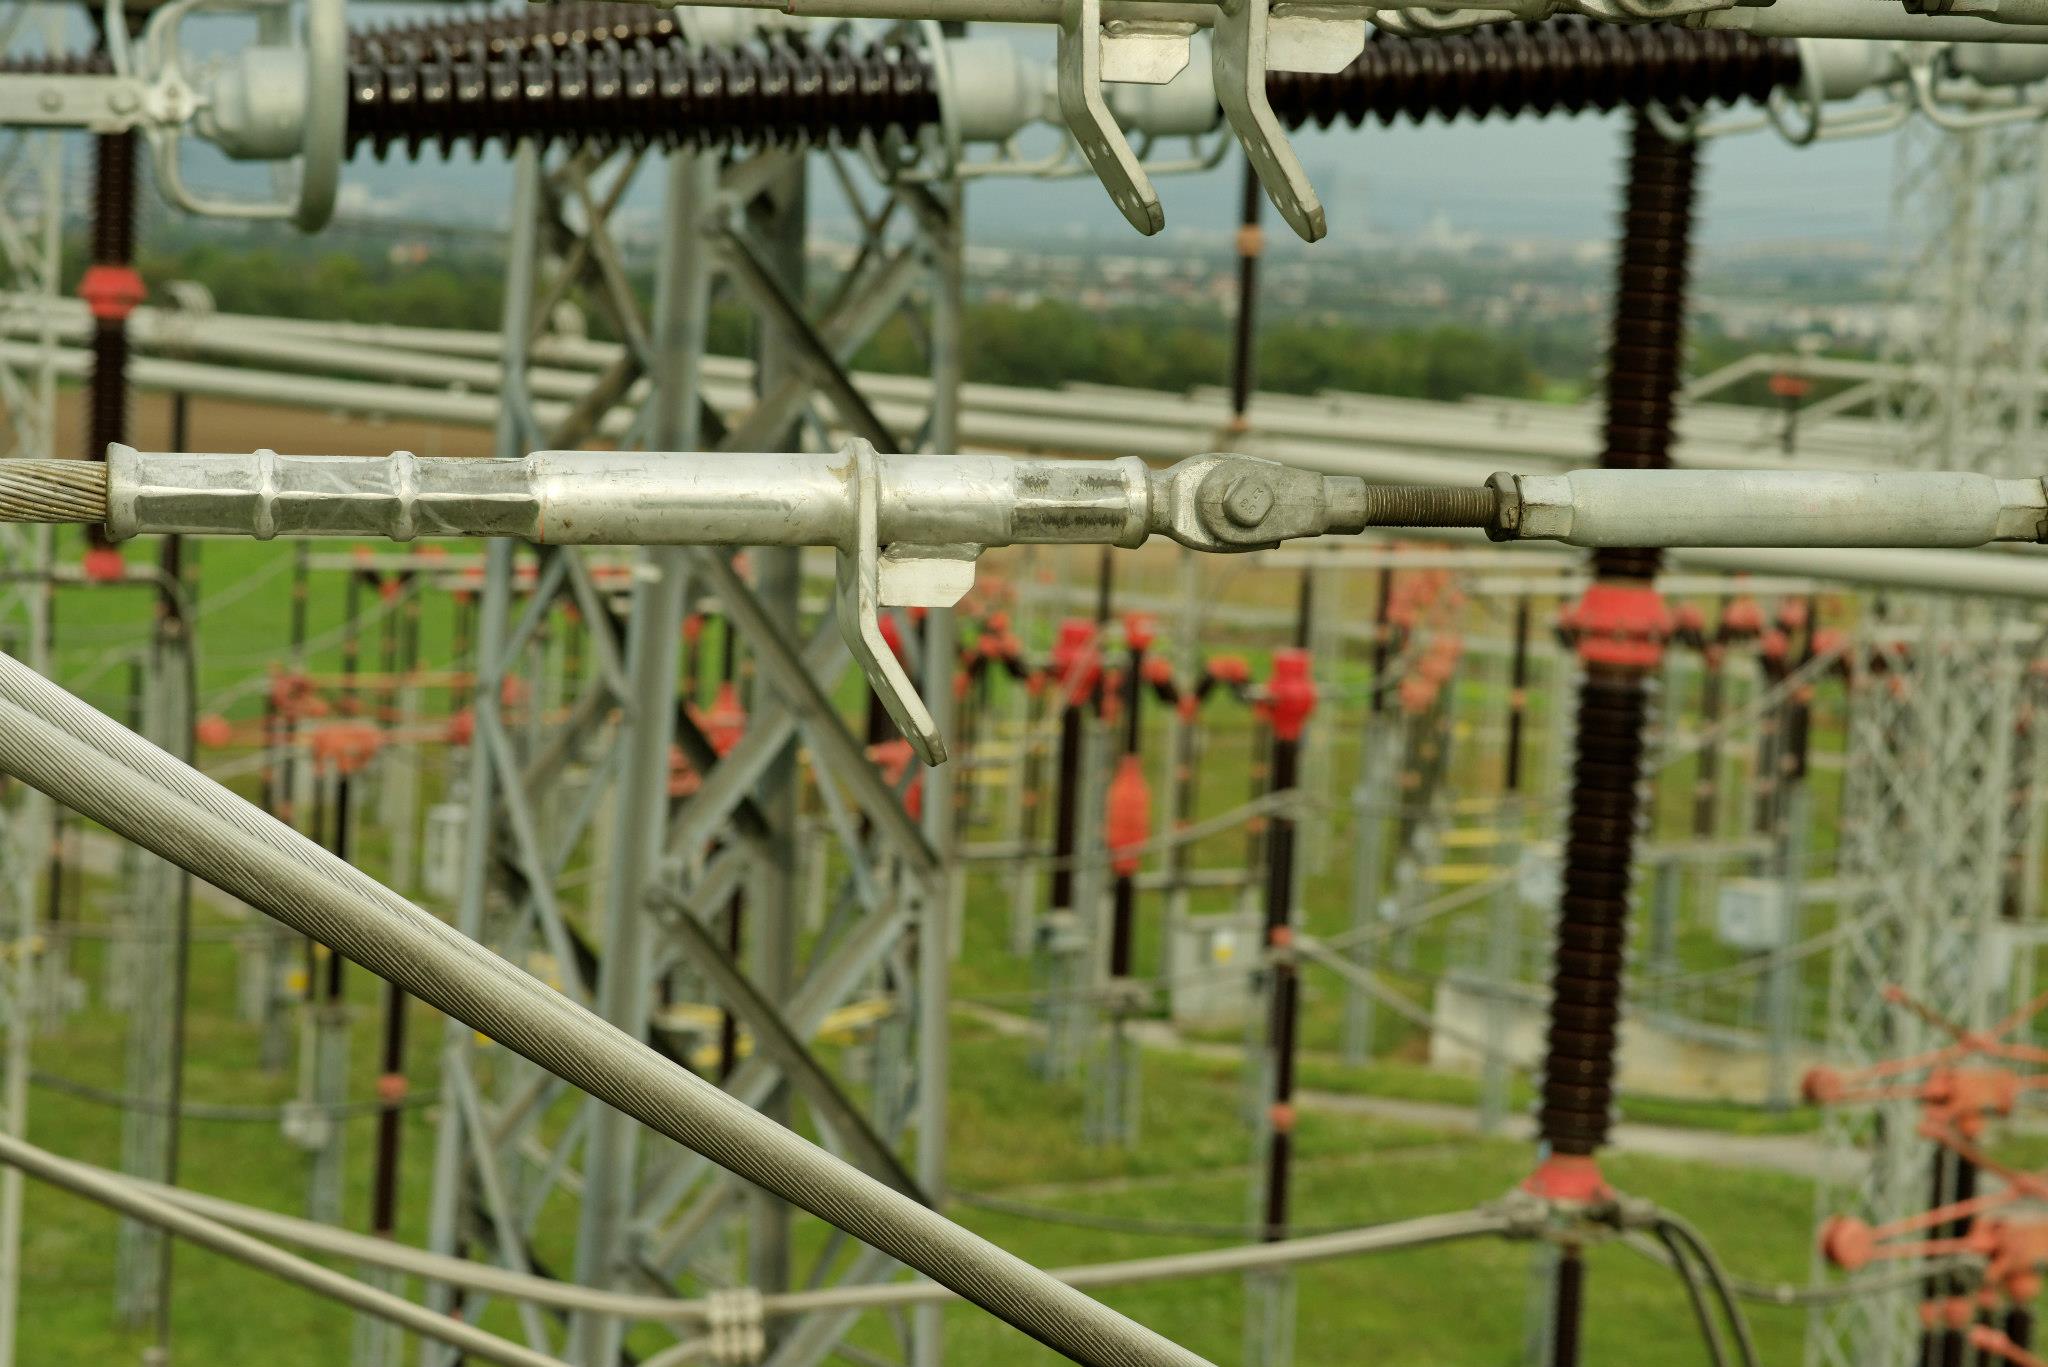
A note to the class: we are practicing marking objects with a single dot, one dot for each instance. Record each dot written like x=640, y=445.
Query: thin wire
x=1696, y=1296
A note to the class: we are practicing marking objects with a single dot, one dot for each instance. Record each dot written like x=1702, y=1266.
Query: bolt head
x=51, y=101
x=1248, y=500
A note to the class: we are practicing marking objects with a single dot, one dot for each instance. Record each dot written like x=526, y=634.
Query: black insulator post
x=1620, y=627
x=344, y=835
x=2019, y=1326
x=111, y=291
x=351, y=643
x=1244, y=336
x=1518, y=698
x=1382, y=641
x=1571, y=1291
x=1706, y=787
x=1283, y=995
x=391, y=1090
x=1066, y=803
x=1124, y=895
x=1290, y=699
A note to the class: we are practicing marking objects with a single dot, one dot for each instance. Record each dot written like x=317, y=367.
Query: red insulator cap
x=111, y=292
x=461, y=728
x=213, y=731
x=1230, y=669
x=1785, y=385
x=1158, y=670
x=1290, y=693
x=1621, y=625
x=103, y=564
x=893, y=636
x=1076, y=664
x=1129, y=819
x=1741, y=620
x=1140, y=631
x=693, y=627
x=1567, y=1177
x=347, y=745
x=726, y=721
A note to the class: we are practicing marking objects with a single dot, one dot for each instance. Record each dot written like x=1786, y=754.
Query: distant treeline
x=1042, y=343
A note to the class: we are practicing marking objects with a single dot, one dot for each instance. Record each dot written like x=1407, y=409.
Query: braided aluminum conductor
x=53, y=491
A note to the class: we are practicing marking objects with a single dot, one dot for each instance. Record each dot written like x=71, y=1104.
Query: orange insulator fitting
x=461, y=728
x=1230, y=669
x=392, y=1088
x=1158, y=671
x=1568, y=1177
x=213, y=731
x=346, y=745
x=1076, y=665
x=103, y=565
x=893, y=758
x=1822, y=1086
x=1280, y=1115
x=1623, y=626
x=725, y=721
x=1140, y=631
x=1290, y=694
x=1129, y=817
x=111, y=292
x=1847, y=1242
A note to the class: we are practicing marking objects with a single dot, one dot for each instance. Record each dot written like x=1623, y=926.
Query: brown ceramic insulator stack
x=1560, y=66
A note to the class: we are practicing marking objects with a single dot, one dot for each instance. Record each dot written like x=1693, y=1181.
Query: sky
x=1555, y=178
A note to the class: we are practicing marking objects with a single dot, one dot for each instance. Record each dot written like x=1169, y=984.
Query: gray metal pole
x=935, y=944
x=624, y=985
x=445, y=1234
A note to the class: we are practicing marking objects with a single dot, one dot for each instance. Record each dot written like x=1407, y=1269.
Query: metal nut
x=1248, y=500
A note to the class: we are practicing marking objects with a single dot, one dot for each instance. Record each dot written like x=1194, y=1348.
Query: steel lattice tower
x=1925, y=830
x=31, y=260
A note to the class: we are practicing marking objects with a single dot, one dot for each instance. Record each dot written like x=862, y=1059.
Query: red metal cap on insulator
x=213, y=731
x=1792, y=614
x=1158, y=671
x=1076, y=665
x=391, y=1088
x=1689, y=627
x=514, y=691
x=999, y=622
x=1621, y=625
x=111, y=292
x=1290, y=693
x=1568, y=1177
x=1418, y=694
x=1822, y=1086
x=1785, y=385
x=1129, y=816
x=461, y=728
x=347, y=745
x=104, y=565
x=683, y=780
x=1140, y=631
x=1772, y=646
x=893, y=758
x=693, y=627
x=892, y=635
x=1230, y=669
x=1741, y=620
x=725, y=721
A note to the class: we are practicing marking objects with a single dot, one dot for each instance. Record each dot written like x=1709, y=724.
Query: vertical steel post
x=654, y=642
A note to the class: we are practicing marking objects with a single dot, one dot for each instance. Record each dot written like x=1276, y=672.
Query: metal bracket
x=1246, y=32
x=1088, y=118
x=858, y=601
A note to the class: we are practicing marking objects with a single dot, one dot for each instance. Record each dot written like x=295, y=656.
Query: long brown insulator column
x=1560, y=66
x=1620, y=625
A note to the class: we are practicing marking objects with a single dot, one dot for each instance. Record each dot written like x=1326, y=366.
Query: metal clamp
x=858, y=600
x=1088, y=118
x=1250, y=39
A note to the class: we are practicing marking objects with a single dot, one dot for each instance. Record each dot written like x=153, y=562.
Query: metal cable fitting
x=1424, y=505
x=1566, y=65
